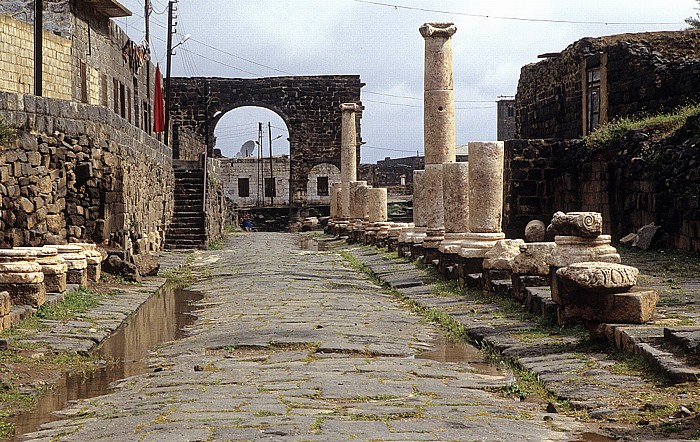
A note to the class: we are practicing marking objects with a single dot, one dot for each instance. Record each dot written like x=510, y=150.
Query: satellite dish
x=247, y=149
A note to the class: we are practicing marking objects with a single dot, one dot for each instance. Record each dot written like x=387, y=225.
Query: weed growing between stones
x=75, y=302
x=659, y=125
x=7, y=134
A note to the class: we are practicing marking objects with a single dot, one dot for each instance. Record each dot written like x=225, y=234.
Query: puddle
x=160, y=319
x=313, y=244
x=447, y=350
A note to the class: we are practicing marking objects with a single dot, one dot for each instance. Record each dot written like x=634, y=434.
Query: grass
x=74, y=303
x=657, y=126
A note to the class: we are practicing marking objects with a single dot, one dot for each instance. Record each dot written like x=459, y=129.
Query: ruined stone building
x=84, y=165
x=596, y=80
x=505, y=118
x=592, y=82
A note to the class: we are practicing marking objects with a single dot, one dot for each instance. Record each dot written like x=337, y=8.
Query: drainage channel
x=162, y=318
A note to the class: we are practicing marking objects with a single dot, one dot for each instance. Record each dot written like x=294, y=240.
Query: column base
x=477, y=244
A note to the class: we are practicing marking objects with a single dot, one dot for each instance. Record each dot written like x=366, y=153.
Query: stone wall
x=17, y=60
x=645, y=72
x=640, y=183
x=215, y=202
x=187, y=145
x=81, y=173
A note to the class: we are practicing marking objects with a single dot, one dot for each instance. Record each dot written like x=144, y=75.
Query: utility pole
x=272, y=175
x=38, y=46
x=261, y=185
x=146, y=15
x=171, y=31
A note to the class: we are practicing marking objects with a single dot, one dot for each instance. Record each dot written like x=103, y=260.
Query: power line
x=499, y=17
x=366, y=146
x=407, y=97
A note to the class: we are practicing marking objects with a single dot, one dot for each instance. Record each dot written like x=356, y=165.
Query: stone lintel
x=350, y=107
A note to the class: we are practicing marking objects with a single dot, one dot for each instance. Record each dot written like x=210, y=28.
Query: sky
x=379, y=40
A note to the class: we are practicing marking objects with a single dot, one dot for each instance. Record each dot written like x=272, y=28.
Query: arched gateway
x=310, y=106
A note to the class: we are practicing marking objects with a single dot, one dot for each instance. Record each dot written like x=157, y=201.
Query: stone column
x=485, y=198
x=434, y=214
x=335, y=199
x=455, y=184
x=417, y=232
x=377, y=205
x=358, y=200
x=438, y=124
x=348, y=143
x=439, y=113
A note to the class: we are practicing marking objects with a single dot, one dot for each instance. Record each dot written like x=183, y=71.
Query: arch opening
x=242, y=125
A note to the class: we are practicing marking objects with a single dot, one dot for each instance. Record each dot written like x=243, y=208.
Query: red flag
x=158, y=104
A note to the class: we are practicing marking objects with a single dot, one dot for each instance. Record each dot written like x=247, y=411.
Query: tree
x=694, y=22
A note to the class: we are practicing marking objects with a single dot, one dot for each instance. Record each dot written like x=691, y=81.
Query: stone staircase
x=186, y=231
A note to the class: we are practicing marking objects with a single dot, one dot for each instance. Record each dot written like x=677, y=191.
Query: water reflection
x=161, y=318
x=447, y=350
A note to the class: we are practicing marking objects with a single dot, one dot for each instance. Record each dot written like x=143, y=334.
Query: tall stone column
x=348, y=154
x=439, y=102
x=438, y=124
x=455, y=183
x=485, y=198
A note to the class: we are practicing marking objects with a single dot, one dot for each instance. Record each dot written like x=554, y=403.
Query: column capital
x=350, y=107
x=434, y=29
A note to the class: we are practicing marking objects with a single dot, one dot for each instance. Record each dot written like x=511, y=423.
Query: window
x=243, y=187
x=115, y=90
x=270, y=188
x=511, y=111
x=122, y=100
x=83, y=82
x=322, y=186
x=593, y=98
x=136, y=102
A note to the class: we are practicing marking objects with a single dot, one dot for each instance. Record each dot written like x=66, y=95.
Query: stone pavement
x=298, y=345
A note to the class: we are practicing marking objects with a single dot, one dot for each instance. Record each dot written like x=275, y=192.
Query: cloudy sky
x=379, y=40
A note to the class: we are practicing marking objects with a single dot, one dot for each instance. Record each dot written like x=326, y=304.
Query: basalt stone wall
x=81, y=173
x=187, y=145
x=639, y=183
x=215, y=201
x=645, y=72
x=308, y=105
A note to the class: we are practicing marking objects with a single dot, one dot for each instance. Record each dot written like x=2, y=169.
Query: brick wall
x=17, y=60
x=82, y=173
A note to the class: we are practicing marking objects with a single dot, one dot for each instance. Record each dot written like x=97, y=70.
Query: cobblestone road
x=297, y=345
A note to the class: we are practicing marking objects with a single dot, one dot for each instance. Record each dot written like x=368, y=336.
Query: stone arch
x=310, y=106
x=315, y=194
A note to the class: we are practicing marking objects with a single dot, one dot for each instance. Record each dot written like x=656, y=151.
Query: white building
x=248, y=182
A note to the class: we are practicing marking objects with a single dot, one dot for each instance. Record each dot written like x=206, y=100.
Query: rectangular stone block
x=634, y=307
x=5, y=303
x=26, y=294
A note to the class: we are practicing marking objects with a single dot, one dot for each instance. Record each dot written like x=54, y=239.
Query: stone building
x=505, y=118
x=247, y=182
x=549, y=167
x=396, y=174
x=84, y=165
x=596, y=80
x=87, y=57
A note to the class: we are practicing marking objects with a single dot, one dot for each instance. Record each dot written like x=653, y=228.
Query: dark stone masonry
x=639, y=183
x=81, y=174
x=646, y=72
x=308, y=105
